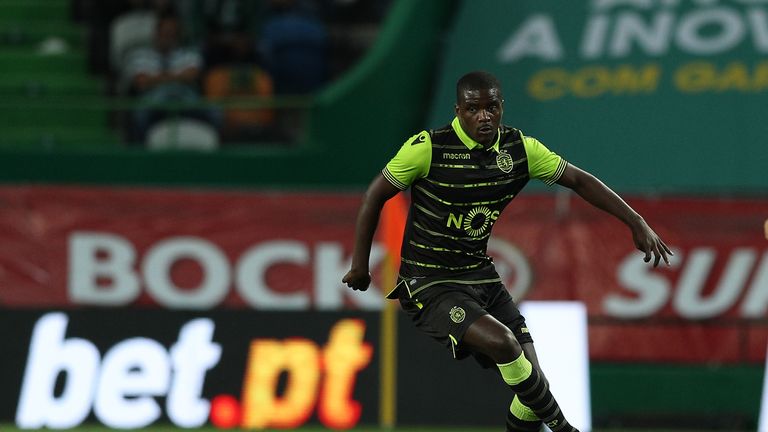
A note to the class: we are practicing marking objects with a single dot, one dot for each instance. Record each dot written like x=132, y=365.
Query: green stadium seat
x=59, y=138
x=33, y=34
x=24, y=10
x=27, y=61
x=71, y=111
x=48, y=100
x=43, y=84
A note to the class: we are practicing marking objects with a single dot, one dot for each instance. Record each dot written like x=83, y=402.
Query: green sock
x=516, y=371
x=520, y=418
x=534, y=393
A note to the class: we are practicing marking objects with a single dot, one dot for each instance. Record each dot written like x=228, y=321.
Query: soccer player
x=461, y=177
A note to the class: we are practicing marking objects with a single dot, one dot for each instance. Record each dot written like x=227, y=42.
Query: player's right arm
x=379, y=191
x=601, y=196
x=410, y=164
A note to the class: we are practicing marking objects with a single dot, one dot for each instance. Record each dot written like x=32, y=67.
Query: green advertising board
x=651, y=96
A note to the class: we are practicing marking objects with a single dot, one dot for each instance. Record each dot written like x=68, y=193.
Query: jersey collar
x=469, y=142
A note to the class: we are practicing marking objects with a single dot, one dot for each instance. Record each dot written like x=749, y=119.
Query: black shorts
x=446, y=309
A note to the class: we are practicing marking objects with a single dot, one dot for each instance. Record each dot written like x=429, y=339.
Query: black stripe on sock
x=515, y=424
x=534, y=393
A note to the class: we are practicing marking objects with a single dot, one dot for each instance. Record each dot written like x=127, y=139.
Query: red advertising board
x=67, y=247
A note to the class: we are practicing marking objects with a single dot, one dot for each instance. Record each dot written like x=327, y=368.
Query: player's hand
x=357, y=279
x=646, y=240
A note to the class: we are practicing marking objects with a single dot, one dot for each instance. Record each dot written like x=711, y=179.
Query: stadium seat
x=48, y=100
x=130, y=31
x=182, y=134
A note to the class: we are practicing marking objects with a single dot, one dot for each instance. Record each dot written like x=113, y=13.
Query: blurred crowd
x=177, y=58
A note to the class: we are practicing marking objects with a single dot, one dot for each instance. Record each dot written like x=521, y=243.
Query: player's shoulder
x=531, y=144
x=522, y=136
x=442, y=134
x=508, y=129
x=447, y=129
x=422, y=137
x=511, y=136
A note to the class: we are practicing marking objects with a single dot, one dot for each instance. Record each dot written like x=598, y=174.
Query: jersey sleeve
x=411, y=162
x=543, y=163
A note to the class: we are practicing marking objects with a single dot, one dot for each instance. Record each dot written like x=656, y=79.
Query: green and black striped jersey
x=458, y=190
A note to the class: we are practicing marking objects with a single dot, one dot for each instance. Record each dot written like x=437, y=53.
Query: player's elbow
x=583, y=181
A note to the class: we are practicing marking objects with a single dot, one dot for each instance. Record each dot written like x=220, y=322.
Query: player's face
x=479, y=113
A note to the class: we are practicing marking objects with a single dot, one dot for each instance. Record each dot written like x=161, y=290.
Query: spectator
x=229, y=28
x=122, y=19
x=162, y=74
x=240, y=77
x=294, y=45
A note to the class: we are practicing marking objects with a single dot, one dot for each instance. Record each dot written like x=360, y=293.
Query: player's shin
x=534, y=393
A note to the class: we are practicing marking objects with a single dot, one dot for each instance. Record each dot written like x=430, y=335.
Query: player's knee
x=504, y=347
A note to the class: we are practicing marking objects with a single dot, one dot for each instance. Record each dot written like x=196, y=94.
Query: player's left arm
x=601, y=196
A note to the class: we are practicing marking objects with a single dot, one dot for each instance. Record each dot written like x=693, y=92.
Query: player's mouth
x=485, y=130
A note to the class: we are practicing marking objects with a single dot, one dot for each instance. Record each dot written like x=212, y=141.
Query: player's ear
x=456, y=109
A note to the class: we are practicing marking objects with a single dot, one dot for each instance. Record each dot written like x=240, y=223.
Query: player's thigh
x=444, y=315
x=502, y=306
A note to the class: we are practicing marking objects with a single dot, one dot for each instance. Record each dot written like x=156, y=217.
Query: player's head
x=167, y=31
x=479, y=105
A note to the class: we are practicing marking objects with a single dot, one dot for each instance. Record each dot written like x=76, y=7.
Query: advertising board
x=651, y=95
x=132, y=368
x=74, y=247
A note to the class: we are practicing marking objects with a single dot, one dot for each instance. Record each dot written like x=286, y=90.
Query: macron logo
x=455, y=155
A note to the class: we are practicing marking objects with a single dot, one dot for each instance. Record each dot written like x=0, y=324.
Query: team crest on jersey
x=457, y=314
x=504, y=161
